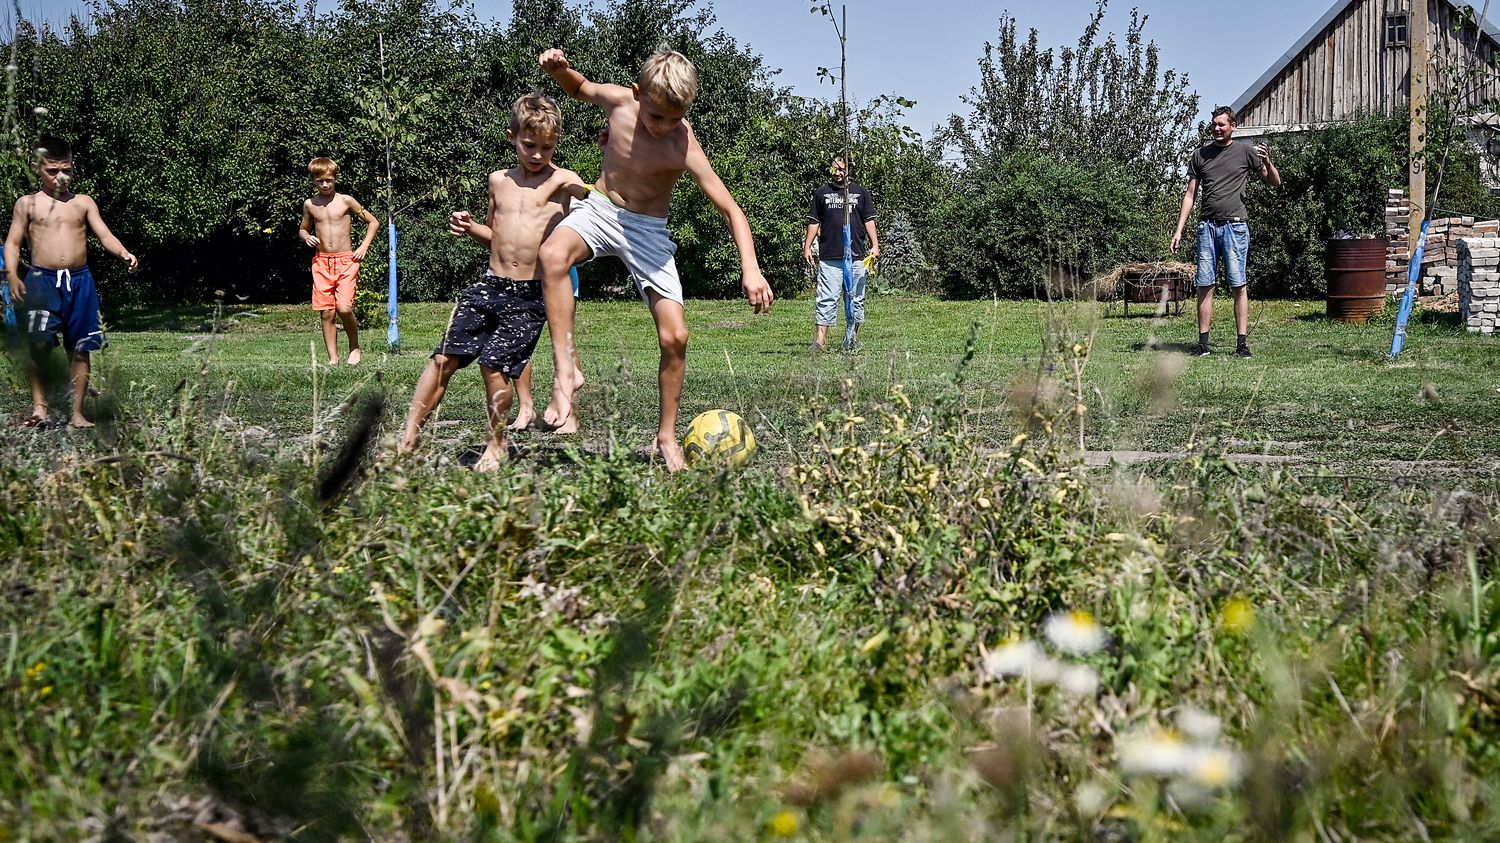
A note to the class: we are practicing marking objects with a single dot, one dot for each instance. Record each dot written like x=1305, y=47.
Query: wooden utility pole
x=1416, y=189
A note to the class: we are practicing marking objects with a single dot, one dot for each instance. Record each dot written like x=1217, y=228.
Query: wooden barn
x=1357, y=59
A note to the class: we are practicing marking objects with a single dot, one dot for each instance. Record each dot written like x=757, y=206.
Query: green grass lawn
x=202, y=621
x=1315, y=390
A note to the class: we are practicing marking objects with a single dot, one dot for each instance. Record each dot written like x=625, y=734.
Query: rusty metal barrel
x=1356, y=278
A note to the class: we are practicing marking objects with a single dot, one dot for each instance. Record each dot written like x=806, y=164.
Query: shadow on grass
x=1180, y=347
x=172, y=318
x=1142, y=311
x=548, y=455
x=1386, y=319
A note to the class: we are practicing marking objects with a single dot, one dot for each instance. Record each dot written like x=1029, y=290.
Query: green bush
x=1034, y=225
x=1334, y=180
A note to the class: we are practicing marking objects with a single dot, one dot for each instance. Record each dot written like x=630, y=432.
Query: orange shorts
x=333, y=280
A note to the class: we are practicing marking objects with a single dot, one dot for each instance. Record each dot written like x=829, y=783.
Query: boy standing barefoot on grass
x=58, y=296
x=325, y=227
x=649, y=145
x=525, y=399
x=499, y=318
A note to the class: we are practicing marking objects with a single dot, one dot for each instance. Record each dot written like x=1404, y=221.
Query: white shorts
x=641, y=241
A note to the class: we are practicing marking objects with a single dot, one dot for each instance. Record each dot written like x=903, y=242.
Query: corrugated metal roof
x=1312, y=34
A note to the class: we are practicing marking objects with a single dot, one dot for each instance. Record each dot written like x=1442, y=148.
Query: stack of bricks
x=1439, y=275
x=1397, y=229
x=1479, y=283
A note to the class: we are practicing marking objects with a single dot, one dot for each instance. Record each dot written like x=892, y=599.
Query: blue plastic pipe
x=848, y=284
x=1413, y=272
x=392, y=332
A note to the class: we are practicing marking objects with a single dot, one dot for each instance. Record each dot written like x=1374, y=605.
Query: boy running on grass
x=499, y=318
x=58, y=296
x=648, y=147
x=325, y=227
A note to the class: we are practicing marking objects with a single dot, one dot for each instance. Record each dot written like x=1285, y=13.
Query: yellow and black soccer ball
x=719, y=435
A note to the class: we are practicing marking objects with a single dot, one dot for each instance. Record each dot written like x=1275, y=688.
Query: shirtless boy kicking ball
x=649, y=145
x=325, y=226
x=500, y=317
x=58, y=296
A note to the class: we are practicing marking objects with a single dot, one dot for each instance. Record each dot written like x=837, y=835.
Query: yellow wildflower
x=1238, y=615
x=784, y=824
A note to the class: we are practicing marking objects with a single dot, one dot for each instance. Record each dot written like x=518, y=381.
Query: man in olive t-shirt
x=1223, y=168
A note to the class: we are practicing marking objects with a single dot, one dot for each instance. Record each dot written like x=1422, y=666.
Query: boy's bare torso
x=639, y=169
x=57, y=230
x=524, y=208
x=332, y=218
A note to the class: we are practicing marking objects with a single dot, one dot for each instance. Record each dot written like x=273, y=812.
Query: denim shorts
x=1226, y=242
x=831, y=286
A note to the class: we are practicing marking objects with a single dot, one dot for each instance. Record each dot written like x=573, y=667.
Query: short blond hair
x=669, y=77
x=538, y=114
x=322, y=167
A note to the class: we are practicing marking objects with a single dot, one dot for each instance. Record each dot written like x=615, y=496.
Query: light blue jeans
x=831, y=286
x=1226, y=242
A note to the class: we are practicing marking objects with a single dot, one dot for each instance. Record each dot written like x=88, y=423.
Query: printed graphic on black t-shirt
x=827, y=210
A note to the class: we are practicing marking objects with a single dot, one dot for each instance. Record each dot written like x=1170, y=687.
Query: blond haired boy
x=649, y=145
x=326, y=221
x=499, y=318
x=58, y=296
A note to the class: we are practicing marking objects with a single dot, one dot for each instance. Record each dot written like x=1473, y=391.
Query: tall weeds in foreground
x=895, y=634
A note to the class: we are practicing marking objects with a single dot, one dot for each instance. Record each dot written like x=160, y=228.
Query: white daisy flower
x=1198, y=725
x=1075, y=632
x=1216, y=766
x=1154, y=754
x=1020, y=658
x=1092, y=798
x=1078, y=680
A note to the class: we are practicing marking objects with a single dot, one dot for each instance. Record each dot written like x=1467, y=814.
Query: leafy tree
x=1096, y=132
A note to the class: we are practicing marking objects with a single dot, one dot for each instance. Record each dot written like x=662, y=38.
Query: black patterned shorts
x=497, y=322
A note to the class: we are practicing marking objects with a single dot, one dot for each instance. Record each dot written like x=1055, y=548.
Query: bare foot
x=333, y=361
x=568, y=427
x=670, y=452
x=525, y=418
x=561, y=409
x=80, y=423
x=355, y=357
x=38, y=417
x=491, y=458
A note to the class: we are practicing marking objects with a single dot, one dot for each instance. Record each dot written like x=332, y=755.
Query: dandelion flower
x=1238, y=615
x=1075, y=632
x=1215, y=766
x=1078, y=680
x=1198, y=724
x=1157, y=754
x=784, y=824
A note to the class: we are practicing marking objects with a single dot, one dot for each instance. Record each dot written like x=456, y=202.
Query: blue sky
x=928, y=50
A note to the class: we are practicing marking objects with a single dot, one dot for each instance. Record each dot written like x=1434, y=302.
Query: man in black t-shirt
x=1224, y=168
x=826, y=225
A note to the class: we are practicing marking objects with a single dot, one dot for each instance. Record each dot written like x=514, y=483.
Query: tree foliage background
x=193, y=122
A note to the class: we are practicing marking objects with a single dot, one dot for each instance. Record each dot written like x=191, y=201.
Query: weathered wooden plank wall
x=1349, y=68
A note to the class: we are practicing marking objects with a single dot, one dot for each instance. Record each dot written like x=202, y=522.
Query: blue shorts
x=831, y=286
x=63, y=302
x=1226, y=242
